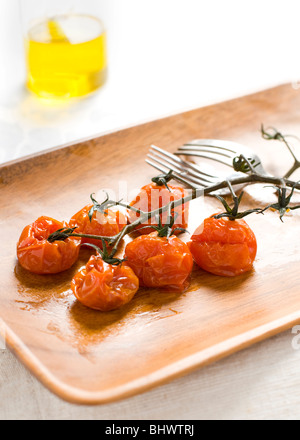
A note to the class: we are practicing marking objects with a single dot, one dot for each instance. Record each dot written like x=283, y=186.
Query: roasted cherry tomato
x=36, y=254
x=107, y=224
x=160, y=261
x=224, y=247
x=152, y=197
x=104, y=287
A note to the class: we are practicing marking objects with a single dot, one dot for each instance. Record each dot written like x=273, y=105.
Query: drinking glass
x=65, y=47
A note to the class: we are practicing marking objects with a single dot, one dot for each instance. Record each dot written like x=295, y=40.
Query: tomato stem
x=164, y=179
x=283, y=201
x=272, y=134
x=104, y=206
x=106, y=257
x=233, y=213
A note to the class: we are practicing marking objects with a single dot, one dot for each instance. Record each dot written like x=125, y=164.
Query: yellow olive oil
x=66, y=56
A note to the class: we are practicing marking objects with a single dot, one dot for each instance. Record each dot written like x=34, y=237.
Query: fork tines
x=186, y=172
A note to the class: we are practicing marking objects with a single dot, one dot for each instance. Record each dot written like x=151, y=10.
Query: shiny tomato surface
x=152, y=197
x=106, y=224
x=36, y=254
x=160, y=262
x=224, y=247
x=104, y=287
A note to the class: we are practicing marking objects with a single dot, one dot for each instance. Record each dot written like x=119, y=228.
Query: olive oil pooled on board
x=66, y=56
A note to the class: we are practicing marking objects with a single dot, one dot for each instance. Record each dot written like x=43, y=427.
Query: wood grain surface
x=90, y=357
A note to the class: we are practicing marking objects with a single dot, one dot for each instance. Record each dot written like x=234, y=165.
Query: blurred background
x=164, y=57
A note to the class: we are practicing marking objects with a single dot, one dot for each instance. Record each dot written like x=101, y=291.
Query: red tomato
x=160, y=262
x=36, y=254
x=108, y=224
x=224, y=247
x=102, y=286
x=152, y=197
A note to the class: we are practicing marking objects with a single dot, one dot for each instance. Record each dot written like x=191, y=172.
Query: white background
x=165, y=56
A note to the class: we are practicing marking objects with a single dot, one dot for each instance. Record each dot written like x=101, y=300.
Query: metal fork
x=220, y=151
x=190, y=173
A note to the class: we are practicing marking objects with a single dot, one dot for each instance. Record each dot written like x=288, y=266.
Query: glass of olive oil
x=65, y=51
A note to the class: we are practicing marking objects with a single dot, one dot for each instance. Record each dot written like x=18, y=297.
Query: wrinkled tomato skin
x=160, y=262
x=224, y=247
x=103, y=287
x=107, y=225
x=38, y=255
x=152, y=197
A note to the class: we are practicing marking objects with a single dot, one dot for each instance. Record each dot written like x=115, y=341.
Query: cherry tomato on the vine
x=160, y=261
x=152, y=197
x=36, y=254
x=104, y=287
x=224, y=247
x=108, y=223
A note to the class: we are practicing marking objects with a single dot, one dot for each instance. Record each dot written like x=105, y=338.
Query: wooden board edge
x=144, y=384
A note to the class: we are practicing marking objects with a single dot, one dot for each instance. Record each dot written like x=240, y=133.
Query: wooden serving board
x=90, y=357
